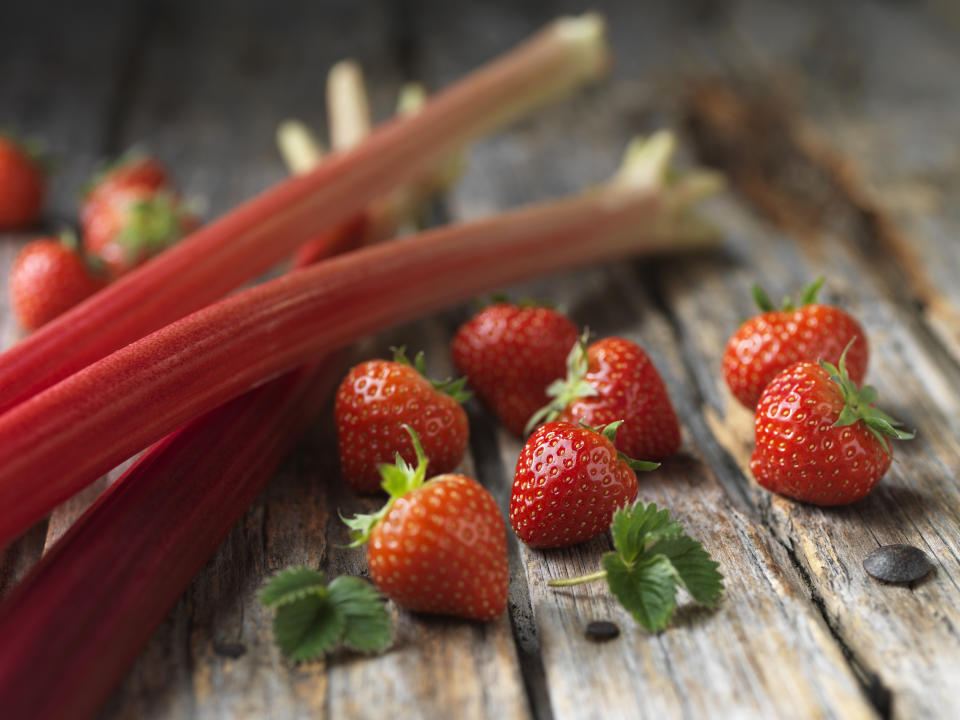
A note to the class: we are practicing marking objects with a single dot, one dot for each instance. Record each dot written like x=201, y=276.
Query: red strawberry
x=48, y=278
x=613, y=379
x=510, y=354
x=767, y=343
x=374, y=402
x=132, y=170
x=22, y=184
x=568, y=483
x=128, y=225
x=819, y=438
x=436, y=547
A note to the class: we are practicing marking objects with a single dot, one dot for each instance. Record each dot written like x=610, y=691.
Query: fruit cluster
x=439, y=545
x=129, y=213
x=819, y=439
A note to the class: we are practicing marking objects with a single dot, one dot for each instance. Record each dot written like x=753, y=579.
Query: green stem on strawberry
x=454, y=387
x=858, y=405
x=652, y=557
x=567, y=390
x=398, y=480
x=808, y=296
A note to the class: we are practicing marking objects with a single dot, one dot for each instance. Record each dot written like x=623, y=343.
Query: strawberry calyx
x=152, y=224
x=454, y=387
x=808, y=296
x=610, y=433
x=567, y=390
x=398, y=480
x=68, y=239
x=858, y=405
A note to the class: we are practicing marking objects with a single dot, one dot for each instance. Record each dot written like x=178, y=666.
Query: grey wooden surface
x=836, y=124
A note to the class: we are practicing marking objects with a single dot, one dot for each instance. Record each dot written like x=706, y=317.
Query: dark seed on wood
x=230, y=650
x=898, y=563
x=602, y=630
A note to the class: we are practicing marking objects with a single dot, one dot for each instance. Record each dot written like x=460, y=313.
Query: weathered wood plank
x=886, y=629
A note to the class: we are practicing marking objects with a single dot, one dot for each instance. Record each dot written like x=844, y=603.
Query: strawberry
x=568, y=483
x=613, y=379
x=438, y=546
x=130, y=224
x=767, y=343
x=374, y=402
x=22, y=185
x=510, y=354
x=819, y=438
x=134, y=169
x=47, y=278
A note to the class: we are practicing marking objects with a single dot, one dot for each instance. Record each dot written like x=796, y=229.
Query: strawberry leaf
x=636, y=526
x=292, y=584
x=652, y=557
x=313, y=618
x=566, y=391
x=369, y=627
x=308, y=628
x=696, y=571
x=647, y=590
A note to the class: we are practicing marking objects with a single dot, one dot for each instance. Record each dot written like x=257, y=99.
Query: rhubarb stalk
x=245, y=242
x=146, y=538
x=54, y=444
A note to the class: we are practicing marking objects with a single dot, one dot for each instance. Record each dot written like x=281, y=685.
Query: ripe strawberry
x=767, y=343
x=132, y=170
x=48, y=278
x=436, y=547
x=510, y=354
x=22, y=184
x=374, y=402
x=613, y=379
x=130, y=224
x=819, y=438
x=568, y=483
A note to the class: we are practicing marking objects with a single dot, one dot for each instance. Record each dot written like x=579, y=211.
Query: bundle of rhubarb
x=155, y=359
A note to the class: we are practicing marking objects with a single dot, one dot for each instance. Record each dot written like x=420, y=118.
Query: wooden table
x=837, y=124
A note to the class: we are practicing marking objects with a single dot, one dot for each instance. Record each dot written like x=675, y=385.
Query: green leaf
x=634, y=527
x=398, y=479
x=695, y=569
x=763, y=301
x=810, y=292
x=563, y=392
x=292, y=584
x=308, y=628
x=369, y=627
x=647, y=590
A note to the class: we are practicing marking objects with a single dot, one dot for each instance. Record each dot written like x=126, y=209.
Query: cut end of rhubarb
x=647, y=161
x=300, y=150
x=588, y=34
x=348, y=107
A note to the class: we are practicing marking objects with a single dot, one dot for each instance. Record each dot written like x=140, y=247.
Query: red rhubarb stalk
x=237, y=247
x=72, y=627
x=54, y=444
x=146, y=537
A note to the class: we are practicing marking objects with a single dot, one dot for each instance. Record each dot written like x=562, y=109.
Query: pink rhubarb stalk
x=146, y=538
x=72, y=627
x=237, y=247
x=60, y=440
